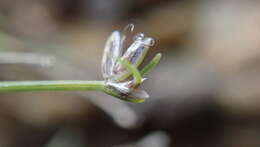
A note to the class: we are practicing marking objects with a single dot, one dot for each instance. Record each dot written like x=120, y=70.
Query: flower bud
x=134, y=54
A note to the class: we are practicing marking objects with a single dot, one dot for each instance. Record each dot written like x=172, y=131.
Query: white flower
x=118, y=78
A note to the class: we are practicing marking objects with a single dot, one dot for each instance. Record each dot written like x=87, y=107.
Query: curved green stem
x=16, y=86
x=132, y=70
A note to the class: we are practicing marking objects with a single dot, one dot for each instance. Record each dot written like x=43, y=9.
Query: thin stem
x=18, y=86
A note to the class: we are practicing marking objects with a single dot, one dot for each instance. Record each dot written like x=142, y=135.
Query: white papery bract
x=118, y=77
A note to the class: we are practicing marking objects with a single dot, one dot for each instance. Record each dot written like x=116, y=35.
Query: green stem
x=19, y=86
x=30, y=86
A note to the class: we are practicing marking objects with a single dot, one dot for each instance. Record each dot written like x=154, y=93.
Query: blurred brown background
x=204, y=93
